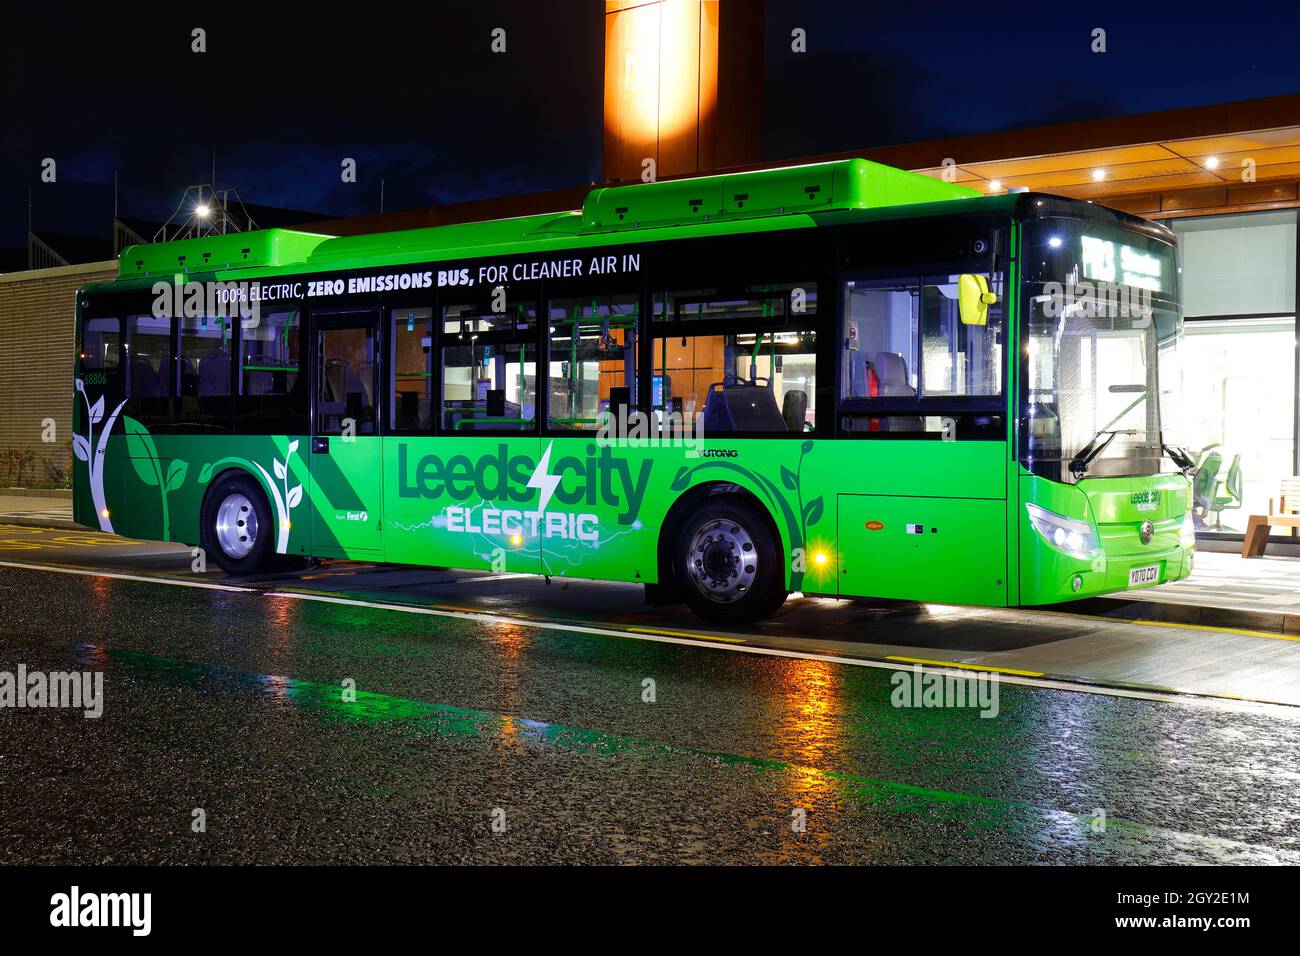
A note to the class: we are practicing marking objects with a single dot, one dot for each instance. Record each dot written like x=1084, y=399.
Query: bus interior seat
x=189, y=377
x=794, y=409
x=214, y=375
x=260, y=383
x=366, y=373
x=342, y=382
x=413, y=411
x=740, y=405
x=408, y=409
x=144, y=380
x=891, y=371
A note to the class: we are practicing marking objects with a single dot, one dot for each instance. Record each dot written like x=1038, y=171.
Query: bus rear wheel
x=238, y=530
x=727, y=561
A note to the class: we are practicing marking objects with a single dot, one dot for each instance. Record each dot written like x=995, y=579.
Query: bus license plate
x=1141, y=577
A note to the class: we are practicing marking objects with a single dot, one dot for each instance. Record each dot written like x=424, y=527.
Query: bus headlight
x=1075, y=538
x=1188, y=536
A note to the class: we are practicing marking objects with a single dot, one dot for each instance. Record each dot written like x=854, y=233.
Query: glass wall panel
x=1238, y=402
x=1238, y=265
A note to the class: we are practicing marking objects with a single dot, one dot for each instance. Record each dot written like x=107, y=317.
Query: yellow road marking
x=690, y=634
x=1181, y=625
x=967, y=667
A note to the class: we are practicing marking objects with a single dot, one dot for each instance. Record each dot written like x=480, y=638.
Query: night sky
x=414, y=94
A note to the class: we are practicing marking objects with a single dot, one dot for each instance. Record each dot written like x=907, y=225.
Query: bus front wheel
x=238, y=529
x=727, y=561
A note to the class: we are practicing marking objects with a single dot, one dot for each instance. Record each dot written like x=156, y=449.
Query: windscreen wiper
x=1079, y=463
x=1180, y=458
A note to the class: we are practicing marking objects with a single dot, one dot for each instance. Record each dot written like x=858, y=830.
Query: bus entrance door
x=346, y=457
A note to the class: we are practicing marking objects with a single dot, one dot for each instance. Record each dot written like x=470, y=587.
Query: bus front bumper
x=1056, y=577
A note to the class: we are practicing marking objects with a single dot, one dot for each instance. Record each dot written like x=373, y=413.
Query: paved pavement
x=36, y=511
x=1227, y=580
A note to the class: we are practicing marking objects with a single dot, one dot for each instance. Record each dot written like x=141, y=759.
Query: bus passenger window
x=879, y=323
x=746, y=382
x=684, y=368
x=959, y=359
x=205, y=372
x=150, y=370
x=489, y=369
x=346, y=396
x=101, y=362
x=270, y=365
x=758, y=376
x=271, y=398
x=101, y=344
x=413, y=361
x=592, y=342
x=903, y=345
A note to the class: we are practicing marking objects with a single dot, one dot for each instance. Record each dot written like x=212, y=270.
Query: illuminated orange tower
x=683, y=86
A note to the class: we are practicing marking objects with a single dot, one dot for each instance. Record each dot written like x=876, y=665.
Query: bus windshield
x=1101, y=330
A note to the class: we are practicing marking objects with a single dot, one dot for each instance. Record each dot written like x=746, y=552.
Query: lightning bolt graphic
x=543, y=482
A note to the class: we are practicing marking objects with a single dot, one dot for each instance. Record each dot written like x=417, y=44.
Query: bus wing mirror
x=974, y=299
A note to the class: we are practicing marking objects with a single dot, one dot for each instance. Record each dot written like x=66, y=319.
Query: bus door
x=590, y=523
x=346, y=455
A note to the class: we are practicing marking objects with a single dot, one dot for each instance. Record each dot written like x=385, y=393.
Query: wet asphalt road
x=233, y=703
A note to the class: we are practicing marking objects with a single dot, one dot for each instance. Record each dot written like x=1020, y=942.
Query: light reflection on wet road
x=234, y=703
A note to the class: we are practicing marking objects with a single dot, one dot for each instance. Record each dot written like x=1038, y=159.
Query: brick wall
x=37, y=312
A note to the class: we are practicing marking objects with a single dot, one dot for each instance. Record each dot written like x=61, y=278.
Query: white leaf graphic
x=97, y=411
x=81, y=446
x=81, y=386
x=295, y=496
x=279, y=469
x=293, y=447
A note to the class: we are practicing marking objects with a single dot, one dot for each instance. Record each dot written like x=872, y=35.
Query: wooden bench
x=1256, y=540
x=1288, y=502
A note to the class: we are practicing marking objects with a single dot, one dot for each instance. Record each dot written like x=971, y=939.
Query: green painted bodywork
x=908, y=519
x=674, y=209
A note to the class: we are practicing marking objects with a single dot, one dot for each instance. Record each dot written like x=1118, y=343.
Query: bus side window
x=592, y=361
x=743, y=362
x=878, y=345
x=910, y=367
x=489, y=368
x=272, y=396
x=206, y=374
x=101, y=344
x=347, y=372
x=150, y=369
x=959, y=359
x=101, y=359
x=414, y=399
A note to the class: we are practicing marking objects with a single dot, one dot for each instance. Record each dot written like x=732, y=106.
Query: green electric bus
x=839, y=379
